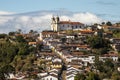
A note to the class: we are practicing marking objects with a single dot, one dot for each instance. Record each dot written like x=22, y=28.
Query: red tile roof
x=49, y=32
x=87, y=31
x=72, y=23
x=32, y=43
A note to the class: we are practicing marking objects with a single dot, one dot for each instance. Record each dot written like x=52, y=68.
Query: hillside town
x=69, y=51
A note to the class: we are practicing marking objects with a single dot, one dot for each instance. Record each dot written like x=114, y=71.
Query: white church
x=57, y=25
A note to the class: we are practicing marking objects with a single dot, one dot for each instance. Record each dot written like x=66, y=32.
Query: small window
x=93, y=58
x=76, y=26
x=72, y=27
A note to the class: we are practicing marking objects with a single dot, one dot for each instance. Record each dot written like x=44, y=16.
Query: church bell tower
x=55, y=23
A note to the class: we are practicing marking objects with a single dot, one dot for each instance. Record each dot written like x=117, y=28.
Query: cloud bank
x=5, y=13
x=41, y=20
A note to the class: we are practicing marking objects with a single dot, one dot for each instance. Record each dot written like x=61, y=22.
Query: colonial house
x=112, y=56
x=56, y=65
x=58, y=25
x=112, y=28
x=71, y=72
x=70, y=36
x=77, y=56
x=86, y=33
x=115, y=44
x=108, y=34
x=115, y=40
x=18, y=76
x=56, y=60
x=77, y=63
x=47, y=34
x=116, y=47
x=83, y=57
x=32, y=43
x=51, y=75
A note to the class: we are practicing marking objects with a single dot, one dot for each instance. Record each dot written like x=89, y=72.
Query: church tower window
x=76, y=26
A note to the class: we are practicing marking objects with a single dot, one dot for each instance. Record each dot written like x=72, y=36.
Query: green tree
x=115, y=75
x=103, y=23
x=20, y=39
x=109, y=63
x=5, y=70
x=99, y=65
x=19, y=31
x=39, y=46
x=80, y=77
x=109, y=23
x=3, y=35
x=2, y=77
x=31, y=31
x=116, y=33
x=98, y=42
x=92, y=76
x=8, y=69
x=33, y=76
x=102, y=51
x=11, y=33
x=7, y=53
x=23, y=49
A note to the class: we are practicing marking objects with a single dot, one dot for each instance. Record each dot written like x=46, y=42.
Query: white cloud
x=86, y=18
x=6, y=13
x=40, y=20
x=4, y=17
x=24, y=18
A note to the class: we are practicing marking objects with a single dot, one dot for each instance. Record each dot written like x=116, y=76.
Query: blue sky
x=93, y=6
